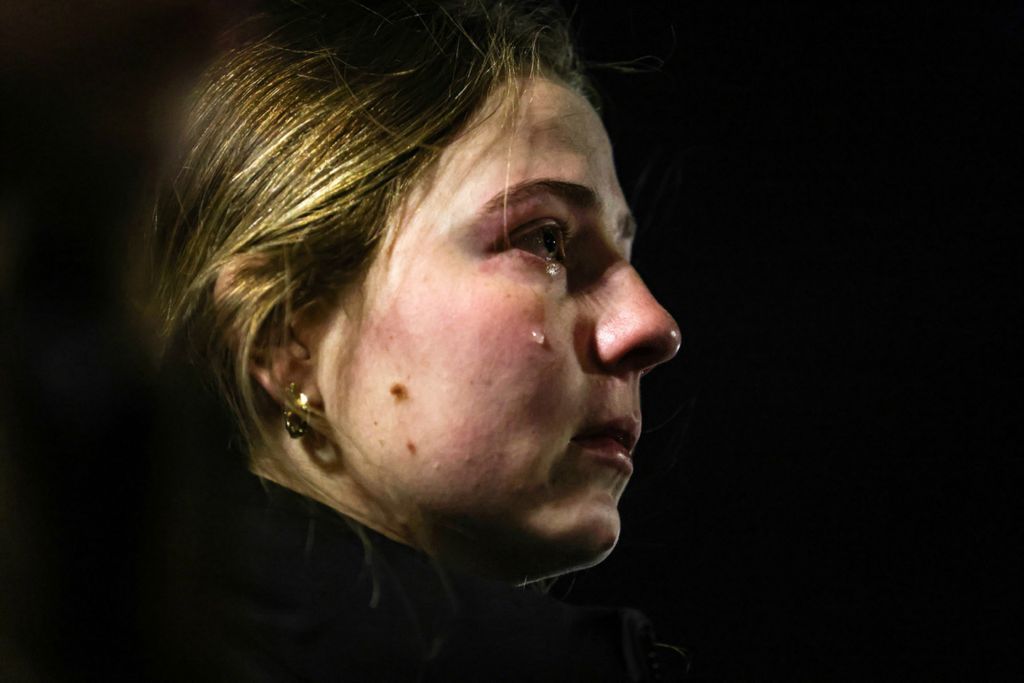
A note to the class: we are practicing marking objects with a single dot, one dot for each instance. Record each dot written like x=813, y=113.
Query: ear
x=293, y=360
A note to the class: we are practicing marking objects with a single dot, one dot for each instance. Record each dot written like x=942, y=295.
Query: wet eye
x=545, y=240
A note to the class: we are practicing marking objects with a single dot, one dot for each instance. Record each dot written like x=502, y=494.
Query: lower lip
x=607, y=451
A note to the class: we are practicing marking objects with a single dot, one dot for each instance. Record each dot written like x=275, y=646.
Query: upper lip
x=625, y=430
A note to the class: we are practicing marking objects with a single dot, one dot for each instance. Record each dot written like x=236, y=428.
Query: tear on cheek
x=529, y=324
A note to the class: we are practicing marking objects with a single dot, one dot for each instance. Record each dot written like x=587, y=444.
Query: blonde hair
x=302, y=145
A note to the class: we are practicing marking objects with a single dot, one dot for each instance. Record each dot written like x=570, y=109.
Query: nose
x=634, y=333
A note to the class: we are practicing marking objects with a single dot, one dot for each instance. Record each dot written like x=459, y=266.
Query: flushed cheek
x=479, y=338
x=508, y=362
x=483, y=388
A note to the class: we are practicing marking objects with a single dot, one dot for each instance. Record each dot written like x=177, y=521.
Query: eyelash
x=549, y=233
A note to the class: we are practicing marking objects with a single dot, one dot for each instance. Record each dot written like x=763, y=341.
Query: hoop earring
x=296, y=418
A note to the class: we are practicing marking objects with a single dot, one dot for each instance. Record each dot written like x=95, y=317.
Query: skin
x=454, y=381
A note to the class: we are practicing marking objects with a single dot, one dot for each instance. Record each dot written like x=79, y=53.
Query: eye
x=545, y=239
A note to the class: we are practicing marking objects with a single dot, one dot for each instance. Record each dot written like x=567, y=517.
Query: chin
x=595, y=545
x=586, y=546
x=531, y=552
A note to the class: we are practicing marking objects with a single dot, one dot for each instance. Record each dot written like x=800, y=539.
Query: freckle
x=399, y=392
x=411, y=446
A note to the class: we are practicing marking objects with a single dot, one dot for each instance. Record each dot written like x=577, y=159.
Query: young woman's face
x=486, y=383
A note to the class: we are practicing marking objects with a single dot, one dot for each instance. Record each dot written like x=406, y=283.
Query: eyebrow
x=578, y=196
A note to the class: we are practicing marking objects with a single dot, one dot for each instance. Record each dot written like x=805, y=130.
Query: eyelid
x=504, y=240
x=538, y=223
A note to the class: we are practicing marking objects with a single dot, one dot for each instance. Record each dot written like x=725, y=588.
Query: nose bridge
x=633, y=331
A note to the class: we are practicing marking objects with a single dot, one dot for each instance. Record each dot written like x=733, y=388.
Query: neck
x=327, y=482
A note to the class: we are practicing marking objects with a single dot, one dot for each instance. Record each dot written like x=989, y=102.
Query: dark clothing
x=298, y=596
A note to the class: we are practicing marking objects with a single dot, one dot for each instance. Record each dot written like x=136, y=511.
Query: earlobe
x=296, y=413
x=287, y=368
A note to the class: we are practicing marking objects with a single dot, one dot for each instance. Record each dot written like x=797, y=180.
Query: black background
x=828, y=486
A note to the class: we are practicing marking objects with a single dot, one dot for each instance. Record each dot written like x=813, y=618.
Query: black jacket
x=296, y=594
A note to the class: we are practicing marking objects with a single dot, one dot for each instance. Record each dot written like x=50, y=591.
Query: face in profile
x=483, y=382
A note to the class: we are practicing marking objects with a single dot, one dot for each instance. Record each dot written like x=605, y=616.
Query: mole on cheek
x=399, y=392
x=411, y=446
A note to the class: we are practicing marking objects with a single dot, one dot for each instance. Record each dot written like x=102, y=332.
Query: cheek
x=470, y=382
x=484, y=348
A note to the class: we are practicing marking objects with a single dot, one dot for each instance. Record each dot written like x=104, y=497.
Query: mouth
x=611, y=443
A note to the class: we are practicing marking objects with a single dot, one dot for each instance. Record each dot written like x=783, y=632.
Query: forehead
x=548, y=131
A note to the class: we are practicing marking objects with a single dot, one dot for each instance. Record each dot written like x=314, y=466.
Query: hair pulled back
x=301, y=146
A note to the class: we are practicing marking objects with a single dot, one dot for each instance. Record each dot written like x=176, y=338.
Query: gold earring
x=296, y=417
